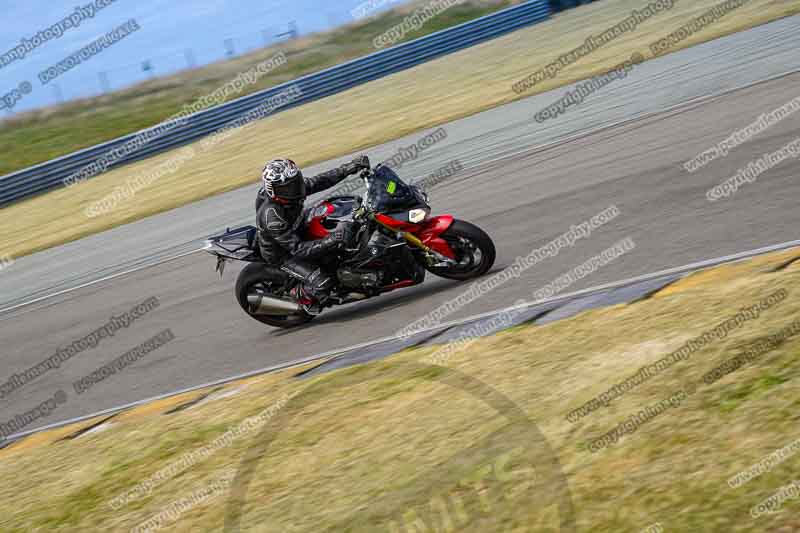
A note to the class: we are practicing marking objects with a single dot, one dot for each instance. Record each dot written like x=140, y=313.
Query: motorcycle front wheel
x=257, y=277
x=474, y=249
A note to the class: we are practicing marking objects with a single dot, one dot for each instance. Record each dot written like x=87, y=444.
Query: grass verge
x=398, y=442
x=472, y=80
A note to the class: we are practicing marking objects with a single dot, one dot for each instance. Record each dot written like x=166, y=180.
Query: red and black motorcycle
x=397, y=240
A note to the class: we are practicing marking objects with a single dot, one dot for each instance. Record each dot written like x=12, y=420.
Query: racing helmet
x=283, y=180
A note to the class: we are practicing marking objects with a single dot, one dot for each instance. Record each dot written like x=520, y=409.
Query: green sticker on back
x=391, y=187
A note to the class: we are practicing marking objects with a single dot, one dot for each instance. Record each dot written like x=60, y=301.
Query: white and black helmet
x=283, y=180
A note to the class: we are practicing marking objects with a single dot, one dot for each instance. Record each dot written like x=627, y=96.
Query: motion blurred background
x=183, y=51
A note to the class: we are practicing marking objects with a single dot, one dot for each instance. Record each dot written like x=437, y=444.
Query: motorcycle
x=396, y=242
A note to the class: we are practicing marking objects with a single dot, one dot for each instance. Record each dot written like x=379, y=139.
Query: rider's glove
x=359, y=163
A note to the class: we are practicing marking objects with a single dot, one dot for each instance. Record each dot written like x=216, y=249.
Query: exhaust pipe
x=267, y=305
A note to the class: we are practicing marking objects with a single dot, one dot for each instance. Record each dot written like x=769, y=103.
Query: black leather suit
x=280, y=230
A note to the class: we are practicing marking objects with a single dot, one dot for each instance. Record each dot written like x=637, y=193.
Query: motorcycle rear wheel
x=474, y=250
x=257, y=276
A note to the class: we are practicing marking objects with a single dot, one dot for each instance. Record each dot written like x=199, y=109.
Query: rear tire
x=258, y=275
x=474, y=250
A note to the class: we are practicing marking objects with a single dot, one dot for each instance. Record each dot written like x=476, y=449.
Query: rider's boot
x=316, y=286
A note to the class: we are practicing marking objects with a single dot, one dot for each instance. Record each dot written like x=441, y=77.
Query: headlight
x=416, y=216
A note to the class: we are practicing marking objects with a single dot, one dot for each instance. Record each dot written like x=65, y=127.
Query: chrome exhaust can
x=261, y=304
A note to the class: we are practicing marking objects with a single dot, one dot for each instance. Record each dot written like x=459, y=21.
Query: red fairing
x=436, y=225
x=399, y=285
x=429, y=233
x=399, y=225
x=314, y=229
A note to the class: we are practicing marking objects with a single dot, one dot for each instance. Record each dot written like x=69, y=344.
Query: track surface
x=523, y=200
x=707, y=69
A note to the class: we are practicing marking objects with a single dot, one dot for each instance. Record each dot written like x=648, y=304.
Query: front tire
x=474, y=250
x=260, y=276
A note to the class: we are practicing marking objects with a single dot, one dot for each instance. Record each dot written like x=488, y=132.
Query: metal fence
x=561, y=5
x=51, y=174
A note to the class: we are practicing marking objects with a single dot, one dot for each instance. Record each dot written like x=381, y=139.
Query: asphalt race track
x=709, y=69
x=523, y=197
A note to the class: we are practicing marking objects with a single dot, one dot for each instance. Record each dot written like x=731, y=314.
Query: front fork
x=413, y=240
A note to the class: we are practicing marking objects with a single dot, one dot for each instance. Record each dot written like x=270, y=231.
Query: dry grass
x=434, y=93
x=364, y=447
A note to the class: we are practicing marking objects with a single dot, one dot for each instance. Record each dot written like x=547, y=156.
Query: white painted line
x=96, y=281
x=692, y=267
x=113, y=410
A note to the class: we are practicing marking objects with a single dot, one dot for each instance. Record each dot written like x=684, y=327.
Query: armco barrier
x=561, y=5
x=51, y=174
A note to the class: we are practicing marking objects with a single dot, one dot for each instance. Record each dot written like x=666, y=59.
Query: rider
x=279, y=209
